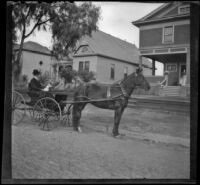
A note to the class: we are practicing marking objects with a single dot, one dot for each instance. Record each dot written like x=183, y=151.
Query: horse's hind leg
x=76, y=115
x=118, y=115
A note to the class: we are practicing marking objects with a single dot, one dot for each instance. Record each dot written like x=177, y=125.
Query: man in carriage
x=35, y=86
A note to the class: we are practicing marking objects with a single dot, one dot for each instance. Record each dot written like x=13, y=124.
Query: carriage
x=41, y=107
x=45, y=109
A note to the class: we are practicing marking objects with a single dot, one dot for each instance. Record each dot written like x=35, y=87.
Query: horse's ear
x=139, y=70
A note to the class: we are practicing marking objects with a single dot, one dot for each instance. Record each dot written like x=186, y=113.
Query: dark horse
x=118, y=94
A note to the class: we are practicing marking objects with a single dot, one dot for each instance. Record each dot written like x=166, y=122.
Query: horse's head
x=140, y=80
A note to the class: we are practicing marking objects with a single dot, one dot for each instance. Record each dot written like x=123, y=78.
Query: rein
x=118, y=83
x=124, y=93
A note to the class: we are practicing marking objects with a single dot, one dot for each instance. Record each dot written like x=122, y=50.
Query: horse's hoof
x=75, y=129
x=79, y=129
x=119, y=136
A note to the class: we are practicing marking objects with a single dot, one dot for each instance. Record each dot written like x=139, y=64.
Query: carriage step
x=29, y=103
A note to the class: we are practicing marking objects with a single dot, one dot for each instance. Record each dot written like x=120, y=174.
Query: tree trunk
x=17, y=63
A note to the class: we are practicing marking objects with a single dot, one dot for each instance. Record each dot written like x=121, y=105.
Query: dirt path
x=95, y=154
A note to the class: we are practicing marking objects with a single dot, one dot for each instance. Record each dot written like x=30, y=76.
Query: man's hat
x=36, y=72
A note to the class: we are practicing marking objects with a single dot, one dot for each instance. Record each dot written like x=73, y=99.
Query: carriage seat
x=36, y=95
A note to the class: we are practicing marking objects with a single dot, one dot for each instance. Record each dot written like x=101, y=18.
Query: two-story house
x=165, y=37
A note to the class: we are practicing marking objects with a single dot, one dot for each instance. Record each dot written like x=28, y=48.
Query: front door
x=173, y=74
x=182, y=69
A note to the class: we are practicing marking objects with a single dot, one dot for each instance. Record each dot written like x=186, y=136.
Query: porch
x=177, y=66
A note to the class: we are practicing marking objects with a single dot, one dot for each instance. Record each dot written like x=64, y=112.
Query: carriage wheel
x=67, y=117
x=18, y=107
x=46, y=111
x=31, y=113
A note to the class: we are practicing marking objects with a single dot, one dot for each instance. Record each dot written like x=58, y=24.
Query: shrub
x=68, y=74
x=86, y=76
x=22, y=82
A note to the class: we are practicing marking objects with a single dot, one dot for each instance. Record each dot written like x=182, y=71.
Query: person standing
x=164, y=83
x=183, y=78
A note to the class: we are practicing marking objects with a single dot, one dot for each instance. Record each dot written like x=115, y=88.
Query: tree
x=68, y=22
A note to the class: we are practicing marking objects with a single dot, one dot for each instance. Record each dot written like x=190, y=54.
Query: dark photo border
x=6, y=175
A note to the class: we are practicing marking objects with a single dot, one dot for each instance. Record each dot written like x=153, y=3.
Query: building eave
x=172, y=18
x=153, y=12
x=38, y=52
x=106, y=56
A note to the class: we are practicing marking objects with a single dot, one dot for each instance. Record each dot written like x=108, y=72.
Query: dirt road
x=155, y=146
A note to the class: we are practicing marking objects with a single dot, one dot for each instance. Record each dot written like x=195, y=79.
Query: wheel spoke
x=18, y=107
x=45, y=107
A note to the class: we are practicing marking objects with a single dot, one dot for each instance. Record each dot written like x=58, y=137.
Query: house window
x=80, y=66
x=171, y=67
x=184, y=9
x=112, y=72
x=87, y=65
x=84, y=66
x=168, y=34
x=125, y=72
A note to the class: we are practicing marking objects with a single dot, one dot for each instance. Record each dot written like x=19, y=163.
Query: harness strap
x=123, y=91
x=108, y=92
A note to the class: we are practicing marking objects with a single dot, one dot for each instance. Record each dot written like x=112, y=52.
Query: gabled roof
x=109, y=46
x=160, y=8
x=38, y=48
x=35, y=47
x=164, y=12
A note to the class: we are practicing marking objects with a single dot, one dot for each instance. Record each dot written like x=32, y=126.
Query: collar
x=35, y=77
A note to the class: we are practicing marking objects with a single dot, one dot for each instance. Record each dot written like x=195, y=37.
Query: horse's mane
x=127, y=78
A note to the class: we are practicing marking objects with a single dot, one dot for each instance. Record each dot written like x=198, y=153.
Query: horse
x=119, y=93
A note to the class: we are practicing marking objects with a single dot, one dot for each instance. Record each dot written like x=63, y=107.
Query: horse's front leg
x=76, y=116
x=117, y=118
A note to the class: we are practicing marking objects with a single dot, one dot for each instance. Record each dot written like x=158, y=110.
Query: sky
x=116, y=18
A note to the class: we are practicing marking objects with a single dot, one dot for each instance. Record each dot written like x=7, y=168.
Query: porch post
x=188, y=66
x=57, y=67
x=140, y=61
x=153, y=67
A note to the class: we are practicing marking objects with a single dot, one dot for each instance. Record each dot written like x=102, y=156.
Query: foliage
x=67, y=74
x=72, y=23
x=67, y=21
x=22, y=82
x=25, y=78
x=86, y=76
x=45, y=78
x=54, y=66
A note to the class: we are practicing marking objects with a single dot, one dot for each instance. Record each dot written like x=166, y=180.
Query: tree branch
x=37, y=24
x=29, y=10
x=33, y=27
x=44, y=21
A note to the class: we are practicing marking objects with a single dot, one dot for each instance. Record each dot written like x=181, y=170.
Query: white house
x=110, y=58
x=36, y=56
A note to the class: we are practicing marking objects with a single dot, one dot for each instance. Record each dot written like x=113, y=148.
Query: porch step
x=170, y=91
